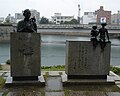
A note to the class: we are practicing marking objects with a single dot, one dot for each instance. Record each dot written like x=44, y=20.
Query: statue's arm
x=35, y=27
x=98, y=32
x=107, y=34
x=20, y=27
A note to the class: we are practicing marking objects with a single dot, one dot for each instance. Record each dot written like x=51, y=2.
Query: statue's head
x=27, y=13
x=94, y=27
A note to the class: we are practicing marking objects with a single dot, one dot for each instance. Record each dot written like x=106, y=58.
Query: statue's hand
x=109, y=41
x=28, y=26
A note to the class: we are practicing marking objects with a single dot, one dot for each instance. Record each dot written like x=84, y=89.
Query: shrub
x=54, y=68
x=8, y=62
x=115, y=69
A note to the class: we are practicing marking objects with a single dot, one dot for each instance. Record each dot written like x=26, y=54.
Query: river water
x=53, y=50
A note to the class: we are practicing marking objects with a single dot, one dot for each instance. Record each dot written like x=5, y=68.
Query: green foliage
x=73, y=21
x=53, y=68
x=115, y=69
x=8, y=62
x=0, y=67
x=2, y=82
x=44, y=20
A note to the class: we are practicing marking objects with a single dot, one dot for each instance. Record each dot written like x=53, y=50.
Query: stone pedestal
x=85, y=62
x=25, y=56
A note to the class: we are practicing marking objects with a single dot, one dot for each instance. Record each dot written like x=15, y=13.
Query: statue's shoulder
x=21, y=22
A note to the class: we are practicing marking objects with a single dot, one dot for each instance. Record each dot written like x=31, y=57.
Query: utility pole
x=79, y=13
x=118, y=20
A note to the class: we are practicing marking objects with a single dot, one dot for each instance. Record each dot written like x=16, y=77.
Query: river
x=53, y=51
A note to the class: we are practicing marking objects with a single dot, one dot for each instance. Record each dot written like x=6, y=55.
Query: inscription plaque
x=25, y=55
x=82, y=60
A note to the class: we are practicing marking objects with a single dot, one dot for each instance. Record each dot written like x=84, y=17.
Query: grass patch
x=2, y=82
x=46, y=75
x=116, y=70
x=0, y=67
x=53, y=68
x=62, y=68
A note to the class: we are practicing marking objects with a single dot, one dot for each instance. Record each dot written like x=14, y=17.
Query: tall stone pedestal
x=85, y=62
x=25, y=56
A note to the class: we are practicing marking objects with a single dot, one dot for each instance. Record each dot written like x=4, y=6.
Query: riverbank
x=67, y=33
x=6, y=67
x=4, y=39
x=80, y=34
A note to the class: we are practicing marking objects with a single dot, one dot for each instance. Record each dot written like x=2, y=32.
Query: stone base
x=87, y=76
x=21, y=82
x=25, y=78
x=74, y=81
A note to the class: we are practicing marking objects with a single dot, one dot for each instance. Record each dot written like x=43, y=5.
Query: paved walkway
x=54, y=87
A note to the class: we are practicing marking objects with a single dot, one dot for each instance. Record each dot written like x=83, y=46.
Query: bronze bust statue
x=27, y=25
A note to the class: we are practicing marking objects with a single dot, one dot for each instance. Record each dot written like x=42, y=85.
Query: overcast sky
x=47, y=8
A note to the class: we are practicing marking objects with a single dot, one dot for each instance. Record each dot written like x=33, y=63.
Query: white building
x=10, y=19
x=1, y=19
x=58, y=19
x=34, y=13
x=19, y=17
x=89, y=17
x=115, y=18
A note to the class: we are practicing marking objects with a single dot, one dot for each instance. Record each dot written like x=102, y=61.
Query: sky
x=47, y=8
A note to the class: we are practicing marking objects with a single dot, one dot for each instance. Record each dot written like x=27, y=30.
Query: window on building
x=65, y=17
x=61, y=22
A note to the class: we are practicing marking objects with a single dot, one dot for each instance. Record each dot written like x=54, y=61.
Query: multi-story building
x=1, y=19
x=34, y=13
x=115, y=19
x=18, y=17
x=89, y=18
x=58, y=19
x=10, y=19
x=103, y=16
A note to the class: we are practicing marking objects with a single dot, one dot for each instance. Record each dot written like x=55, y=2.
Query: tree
x=73, y=21
x=44, y=20
x=66, y=22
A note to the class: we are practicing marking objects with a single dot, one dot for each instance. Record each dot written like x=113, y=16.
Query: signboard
x=103, y=20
